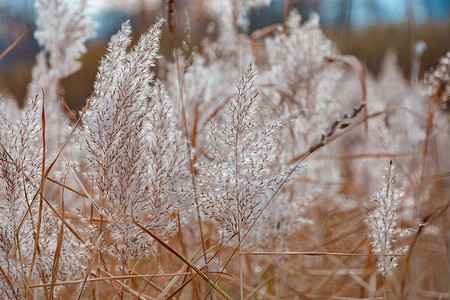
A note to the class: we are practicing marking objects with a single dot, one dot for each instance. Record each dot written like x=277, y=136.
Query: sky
x=391, y=11
x=363, y=12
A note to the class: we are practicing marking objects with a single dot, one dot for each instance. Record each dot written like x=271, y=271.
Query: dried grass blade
x=169, y=286
x=6, y=278
x=67, y=187
x=61, y=217
x=256, y=289
x=14, y=44
x=22, y=269
x=179, y=289
x=314, y=253
x=56, y=261
x=259, y=34
x=97, y=207
x=342, y=265
x=58, y=249
x=109, y=277
x=352, y=62
x=217, y=110
x=149, y=280
x=41, y=192
x=127, y=288
x=70, y=112
x=438, y=212
x=185, y=260
x=102, y=260
x=91, y=261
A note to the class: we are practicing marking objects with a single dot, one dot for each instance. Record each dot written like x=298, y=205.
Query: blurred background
x=364, y=28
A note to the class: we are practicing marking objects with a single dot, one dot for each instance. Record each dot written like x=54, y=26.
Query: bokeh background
x=364, y=28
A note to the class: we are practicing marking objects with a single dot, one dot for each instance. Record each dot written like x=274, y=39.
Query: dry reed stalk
x=15, y=43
